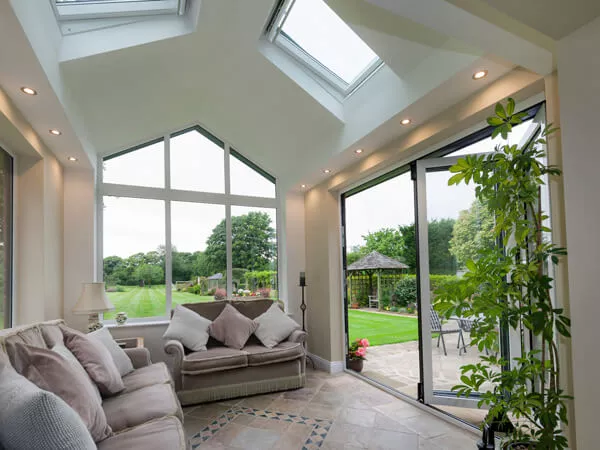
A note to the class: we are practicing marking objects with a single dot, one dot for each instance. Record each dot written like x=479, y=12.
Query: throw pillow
x=96, y=360
x=77, y=367
x=51, y=372
x=118, y=355
x=33, y=418
x=232, y=328
x=274, y=326
x=189, y=328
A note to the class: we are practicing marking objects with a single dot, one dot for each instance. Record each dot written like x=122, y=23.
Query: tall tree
x=472, y=232
x=149, y=274
x=387, y=241
x=441, y=261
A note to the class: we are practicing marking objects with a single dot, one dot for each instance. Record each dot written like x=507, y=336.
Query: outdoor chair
x=436, y=327
x=373, y=300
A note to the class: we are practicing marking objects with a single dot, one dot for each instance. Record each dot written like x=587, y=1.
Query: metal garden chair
x=436, y=327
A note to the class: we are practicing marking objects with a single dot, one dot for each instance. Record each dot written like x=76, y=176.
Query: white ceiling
x=218, y=74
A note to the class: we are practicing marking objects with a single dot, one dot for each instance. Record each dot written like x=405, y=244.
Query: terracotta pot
x=355, y=364
x=355, y=306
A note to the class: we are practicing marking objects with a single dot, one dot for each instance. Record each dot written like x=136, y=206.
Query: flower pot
x=520, y=446
x=355, y=305
x=355, y=364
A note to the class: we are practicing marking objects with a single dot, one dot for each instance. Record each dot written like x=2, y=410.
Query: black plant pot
x=520, y=446
x=354, y=364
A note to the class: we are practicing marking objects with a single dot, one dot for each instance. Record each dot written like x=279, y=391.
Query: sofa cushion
x=274, y=326
x=30, y=335
x=51, y=372
x=51, y=334
x=147, y=376
x=160, y=434
x=118, y=355
x=232, y=328
x=96, y=360
x=189, y=328
x=213, y=360
x=259, y=355
x=76, y=366
x=140, y=406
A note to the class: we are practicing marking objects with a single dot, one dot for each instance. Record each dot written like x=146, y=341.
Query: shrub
x=211, y=291
x=405, y=291
x=220, y=294
x=394, y=309
x=411, y=308
x=265, y=292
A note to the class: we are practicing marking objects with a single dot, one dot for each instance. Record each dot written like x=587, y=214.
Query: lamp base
x=94, y=322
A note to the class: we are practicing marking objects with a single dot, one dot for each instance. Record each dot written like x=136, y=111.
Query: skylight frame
x=318, y=70
x=110, y=9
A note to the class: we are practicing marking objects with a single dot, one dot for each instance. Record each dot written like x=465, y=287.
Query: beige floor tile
x=455, y=440
x=289, y=442
x=209, y=410
x=259, y=401
x=227, y=434
x=317, y=411
x=256, y=439
x=342, y=433
x=269, y=424
x=287, y=406
x=244, y=419
x=328, y=398
x=354, y=416
x=304, y=394
x=193, y=425
x=383, y=422
x=340, y=446
x=393, y=440
x=428, y=426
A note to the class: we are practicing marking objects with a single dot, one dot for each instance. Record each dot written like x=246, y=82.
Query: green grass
x=148, y=301
x=382, y=329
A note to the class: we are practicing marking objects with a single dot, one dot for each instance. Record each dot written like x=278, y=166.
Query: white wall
x=579, y=91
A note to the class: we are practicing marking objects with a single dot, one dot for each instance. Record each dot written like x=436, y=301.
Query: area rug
x=320, y=427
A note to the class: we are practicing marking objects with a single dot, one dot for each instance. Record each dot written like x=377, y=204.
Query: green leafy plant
x=508, y=284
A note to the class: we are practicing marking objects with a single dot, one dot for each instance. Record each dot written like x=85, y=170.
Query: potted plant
x=357, y=353
x=510, y=285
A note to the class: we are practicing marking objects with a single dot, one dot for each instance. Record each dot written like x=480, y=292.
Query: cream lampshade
x=92, y=301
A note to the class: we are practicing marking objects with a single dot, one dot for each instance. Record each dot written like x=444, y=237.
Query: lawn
x=148, y=301
x=382, y=329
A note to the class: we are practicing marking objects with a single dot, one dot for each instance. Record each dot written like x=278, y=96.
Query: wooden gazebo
x=375, y=263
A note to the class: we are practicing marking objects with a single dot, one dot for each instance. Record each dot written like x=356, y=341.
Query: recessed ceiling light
x=480, y=74
x=28, y=91
x=72, y=158
x=358, y=151
x=303, y=186
x=55, y=132
x=405, y=121
x=326, y=171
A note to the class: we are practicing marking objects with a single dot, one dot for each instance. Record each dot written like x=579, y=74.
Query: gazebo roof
x=376, y=261
x=216, y=276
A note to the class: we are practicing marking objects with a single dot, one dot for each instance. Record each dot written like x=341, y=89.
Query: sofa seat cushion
x=160, y=434
x=214, y=359
x=259, y=355
x=147, y=376
x=140, y=406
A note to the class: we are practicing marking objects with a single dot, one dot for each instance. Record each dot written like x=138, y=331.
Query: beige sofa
x=146, y=415
x=222, y=372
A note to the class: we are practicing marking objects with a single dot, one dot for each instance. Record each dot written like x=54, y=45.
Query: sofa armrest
x=140, y=357
x=297, y=336
x=175, y=349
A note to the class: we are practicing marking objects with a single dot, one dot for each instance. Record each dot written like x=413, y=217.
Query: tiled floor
x=331, y=412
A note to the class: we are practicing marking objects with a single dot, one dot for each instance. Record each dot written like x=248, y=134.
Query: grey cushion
x=232, y=328
x=52, y=335
x=160, y=434
x=76, y=366
x=213, y=360
x=189, y=328
x=259, y=355
x=140, y=406
x=51, y=372
x=274, y=326
x=119, y=357
x=147, y=376
x=35, y=419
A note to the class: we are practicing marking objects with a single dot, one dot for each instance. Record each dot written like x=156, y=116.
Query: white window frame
x=116, y=8
x=277, y=36
x=169, y=195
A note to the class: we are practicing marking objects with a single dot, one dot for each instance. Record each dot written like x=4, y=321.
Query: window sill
x=148, y=323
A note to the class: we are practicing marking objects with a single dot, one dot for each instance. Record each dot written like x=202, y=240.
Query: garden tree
x=201, y=266
x=473, y=231
x=387, y=241
x=149, y=274
x=182, y=265
x=441, y=261
x=112, y=264
x=355, y=254
x=253, y=243
x=409, y=246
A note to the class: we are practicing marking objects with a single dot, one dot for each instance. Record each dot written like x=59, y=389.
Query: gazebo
x=375, y=263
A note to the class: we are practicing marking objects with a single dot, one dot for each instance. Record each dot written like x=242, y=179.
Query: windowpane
x=313, y=26
x=6, y=210
x=247, y=181
x=197, y=163
x=134, y=256
x=254, y=251
x=142, y=167
x=488, y=144
x=199, y=252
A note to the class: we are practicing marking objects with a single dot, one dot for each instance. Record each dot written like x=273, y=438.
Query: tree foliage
x=473, y=231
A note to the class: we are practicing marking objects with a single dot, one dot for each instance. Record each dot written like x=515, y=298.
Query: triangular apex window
x=106, y=9
x=318, y=39
x=197, y=164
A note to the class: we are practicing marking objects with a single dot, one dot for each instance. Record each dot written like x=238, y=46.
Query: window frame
x=116, y=9
x=169, y=195
x=9, y=304
x=315, y=68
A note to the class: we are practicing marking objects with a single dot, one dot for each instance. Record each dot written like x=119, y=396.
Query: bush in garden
x=211, y=292
x=265, y=292
x=411, y=308
x=220, y=294
x=405, y=291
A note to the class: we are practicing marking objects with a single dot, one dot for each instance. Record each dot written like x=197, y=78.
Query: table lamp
x=92, y=301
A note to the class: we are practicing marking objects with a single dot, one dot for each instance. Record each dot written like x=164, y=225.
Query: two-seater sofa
x=221, y=372
x=146, y=415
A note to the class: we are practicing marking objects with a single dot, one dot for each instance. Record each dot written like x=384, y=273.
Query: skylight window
x=102, y=9
x=313, y=34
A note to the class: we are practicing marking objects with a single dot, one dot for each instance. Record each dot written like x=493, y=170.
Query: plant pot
x=355, y=305
x=355, y=364
x=519, y=446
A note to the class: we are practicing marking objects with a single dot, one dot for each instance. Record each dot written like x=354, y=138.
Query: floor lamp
x=303, y=309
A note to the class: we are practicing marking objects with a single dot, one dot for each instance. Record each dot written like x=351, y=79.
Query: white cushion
x=274, y=326
x=76, y=366
x=189, y=328
x=122, y=361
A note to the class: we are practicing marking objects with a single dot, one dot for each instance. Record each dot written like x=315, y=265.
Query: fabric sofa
x=221, y=372
x=146, y=415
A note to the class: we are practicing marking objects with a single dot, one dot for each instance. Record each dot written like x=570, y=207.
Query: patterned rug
x=320, y=427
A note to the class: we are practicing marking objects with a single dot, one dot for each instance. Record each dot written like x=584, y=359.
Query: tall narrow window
x=6, y=238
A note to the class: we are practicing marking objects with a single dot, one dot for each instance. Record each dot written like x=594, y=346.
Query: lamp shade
x=93, y=299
